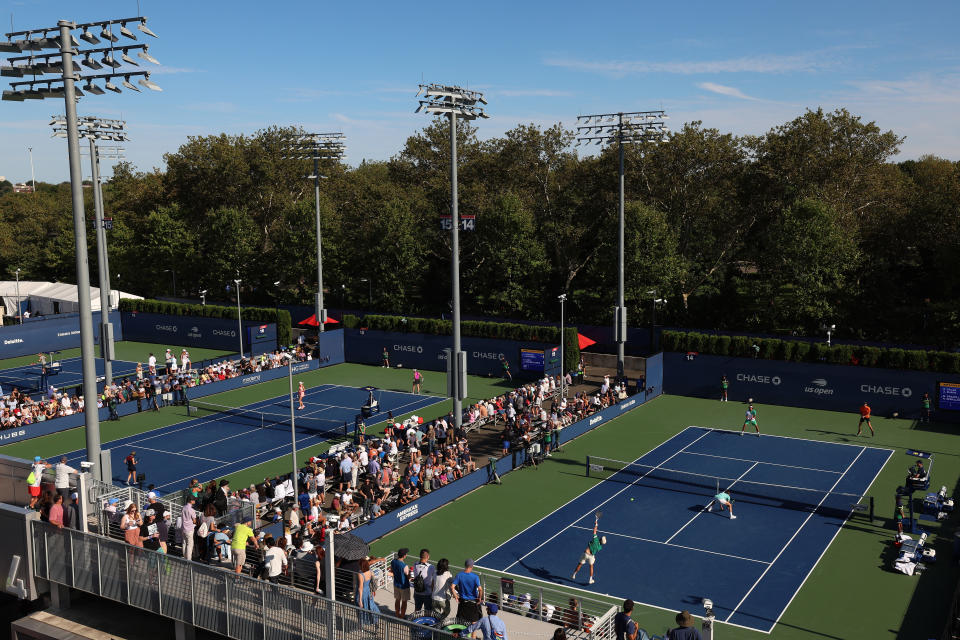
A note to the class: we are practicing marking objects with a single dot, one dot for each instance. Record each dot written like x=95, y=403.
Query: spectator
x=623, y=624
x=188, y=523
x=242, y=535
x=149, y=532
x=366, y=591
x=468, y=593
x=560, y=633
x=221, y=499
x=424, y=575
x=492, y=627
x=71, y=513
x=441, y=589
x=56, y=512
x=35, y=478
x=401, y=582
x=164, y=523
x=275, y=559
x=62, y=477
x=685, y=629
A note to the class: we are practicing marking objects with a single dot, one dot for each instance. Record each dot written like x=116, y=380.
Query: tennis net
x=705, y=486
x=266, y=419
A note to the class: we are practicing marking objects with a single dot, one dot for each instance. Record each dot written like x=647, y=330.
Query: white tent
x=49, y=298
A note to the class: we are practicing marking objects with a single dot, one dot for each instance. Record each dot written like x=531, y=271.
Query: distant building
x=22, y=187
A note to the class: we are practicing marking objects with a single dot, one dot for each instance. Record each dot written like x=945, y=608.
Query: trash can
x=456, y=629
x=426, y=621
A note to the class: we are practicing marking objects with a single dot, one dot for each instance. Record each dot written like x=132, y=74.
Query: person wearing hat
x=590, y=554
x=685, y=630
x=490, y=627
x=35, y=478
x=149, y=532
x=468, y=592
x=238, y=546
x=71, y=512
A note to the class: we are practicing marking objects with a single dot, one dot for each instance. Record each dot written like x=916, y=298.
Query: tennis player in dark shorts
x=131, y=461
x=864, y=417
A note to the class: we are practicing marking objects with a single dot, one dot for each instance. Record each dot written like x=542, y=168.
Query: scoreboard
x=948, y=395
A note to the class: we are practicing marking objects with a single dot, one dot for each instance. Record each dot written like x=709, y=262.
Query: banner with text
x=192, y=331
x=51, y=334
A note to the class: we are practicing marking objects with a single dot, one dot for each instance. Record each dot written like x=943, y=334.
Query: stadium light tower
x=454, y=101
x=622, y=128
x=317, y=147
x=62, y=64
x=96, y=129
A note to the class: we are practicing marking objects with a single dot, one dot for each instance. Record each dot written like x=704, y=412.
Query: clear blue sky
x=354, y=66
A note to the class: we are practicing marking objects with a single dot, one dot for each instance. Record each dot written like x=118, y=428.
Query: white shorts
x=588, y=558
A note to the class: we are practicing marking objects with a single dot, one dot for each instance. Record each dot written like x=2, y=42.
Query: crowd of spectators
x=150, y=387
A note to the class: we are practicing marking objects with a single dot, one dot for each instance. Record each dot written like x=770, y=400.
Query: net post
x=588, y=466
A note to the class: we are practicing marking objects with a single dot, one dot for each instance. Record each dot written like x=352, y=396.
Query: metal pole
x=293, y=447
x=563, y=376
x=316, y=200
x=621, y=312
x=91, y=414
x=239, y=320
x=455, y=274
x=33, y=176
x=102, y=266
x=653, y=324
x=19, y=305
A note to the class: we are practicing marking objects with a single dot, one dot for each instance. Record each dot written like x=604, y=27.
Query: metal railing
x=236, y=606
x=583, y=617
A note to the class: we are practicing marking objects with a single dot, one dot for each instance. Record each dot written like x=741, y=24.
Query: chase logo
x=903, y=392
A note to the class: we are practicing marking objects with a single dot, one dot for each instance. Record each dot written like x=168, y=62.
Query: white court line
x=577, y=497
x=827, y=546
x=699, y=513
x=799, y=529
x=670, y=544
x=175, y=453
x=772, y=435
x=772, y=464
x=602, y=503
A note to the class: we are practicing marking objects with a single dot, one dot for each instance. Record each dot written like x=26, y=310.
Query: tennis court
x=666, y=550
x=70, y=374
x=224, y=440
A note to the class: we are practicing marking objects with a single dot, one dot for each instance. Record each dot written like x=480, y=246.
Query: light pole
x=454, y=101
x=203, y=297
x=33, y=175
x=622, y=128
x=276, y=309
x=174, y=273
x=293, y=442
x=369, y=291
x=62, y=63
x=96, y=129
x=563, y=376
x=19, y=309
x=239, y=320
x=317, y=147
x=653, y=318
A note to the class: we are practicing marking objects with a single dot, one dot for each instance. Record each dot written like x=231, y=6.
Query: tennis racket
x=598, y=514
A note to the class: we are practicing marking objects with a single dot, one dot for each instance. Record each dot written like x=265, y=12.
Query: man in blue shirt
x=304, y=500
x=492, y=627
x=401, y=582
x=468, y=593
x=623, y=624
x=686, y=630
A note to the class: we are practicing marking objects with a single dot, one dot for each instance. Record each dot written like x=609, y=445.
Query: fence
x=235, y=606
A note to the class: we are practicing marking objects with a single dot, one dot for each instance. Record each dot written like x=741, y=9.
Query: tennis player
x=751, y=419
x=723, y=499
x=590, y=553
x=300, y=393
x=864, y=417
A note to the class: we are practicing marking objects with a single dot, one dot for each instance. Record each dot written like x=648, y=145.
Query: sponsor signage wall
x=261, y=338
x=393, y=520
x=801, y=384
x=426, y=351
x=53, y=334
x=330, y=348
x=69, y=422
x=191, y=331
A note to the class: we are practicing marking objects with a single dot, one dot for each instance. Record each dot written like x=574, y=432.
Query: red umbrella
x=312, y=321
x=584, y=341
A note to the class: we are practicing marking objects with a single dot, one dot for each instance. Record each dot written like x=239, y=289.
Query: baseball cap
x=492, y=608
x=36, y=458
x=113, y=500
x=149, y=512
x=74, y=495
x=152, y=495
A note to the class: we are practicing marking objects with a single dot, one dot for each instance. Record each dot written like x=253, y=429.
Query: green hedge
x=801, y=351
x=256, y=314
x=474, y=329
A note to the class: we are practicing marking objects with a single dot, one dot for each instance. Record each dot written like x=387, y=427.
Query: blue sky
x=354, y=67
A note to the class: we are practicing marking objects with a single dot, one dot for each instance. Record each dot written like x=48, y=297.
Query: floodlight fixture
x=91, y=63
x=145, y=82
x=129, y=85
x=110, y=61
x=112, y=87
x=126, y=58
x=126, y=32
x=89, y=37
x=106, y=34
x=143, y=27
x=144, y=55
x=450, y=99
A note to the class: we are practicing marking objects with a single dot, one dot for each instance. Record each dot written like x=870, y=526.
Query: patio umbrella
x=312, y=321
x=350, y=547
x=584, y=341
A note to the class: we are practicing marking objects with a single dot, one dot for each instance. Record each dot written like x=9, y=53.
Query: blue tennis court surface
x=217, y=445
x=664, y=549
x=27, y=377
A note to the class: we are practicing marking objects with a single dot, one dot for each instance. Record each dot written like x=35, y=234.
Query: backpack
x=31, y=478
x=419, y=584
x=203, y=530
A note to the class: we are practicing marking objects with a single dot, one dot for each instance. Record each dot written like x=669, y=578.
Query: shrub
x=769, y=348
x=710, y=345
x=801, y=351
x=723, y=345
x=741, y=346
x=670, y=340
x=916, y=360
x=892, y=358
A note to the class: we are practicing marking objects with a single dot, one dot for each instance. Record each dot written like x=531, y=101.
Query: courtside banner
x=426, y=351
x=192, y=331
x=70, y=422
x=51, y=334
x=834, y=387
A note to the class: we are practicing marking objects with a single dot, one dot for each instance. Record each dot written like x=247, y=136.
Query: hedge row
x=280, y=317
x=474, y=329
x=798, y=351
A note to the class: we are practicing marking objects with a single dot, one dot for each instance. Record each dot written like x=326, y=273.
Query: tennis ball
x=631, y=499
